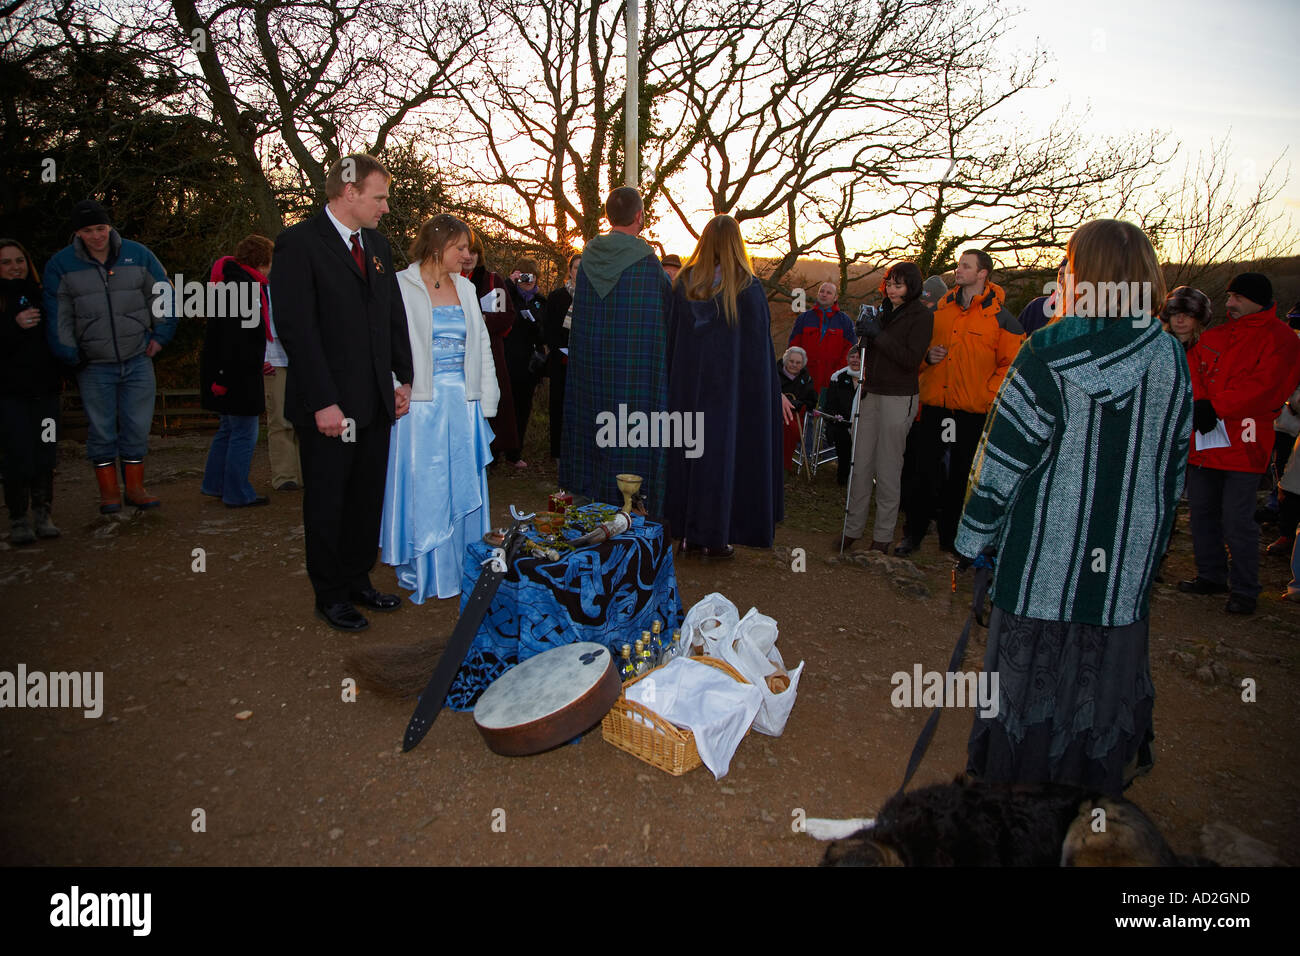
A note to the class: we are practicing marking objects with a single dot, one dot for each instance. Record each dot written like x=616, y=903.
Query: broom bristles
x=397, y=670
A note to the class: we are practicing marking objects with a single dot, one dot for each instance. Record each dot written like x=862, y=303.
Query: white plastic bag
x=751, y=650
x=712, y=620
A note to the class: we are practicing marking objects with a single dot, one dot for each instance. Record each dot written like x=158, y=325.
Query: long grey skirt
x=1074, y=704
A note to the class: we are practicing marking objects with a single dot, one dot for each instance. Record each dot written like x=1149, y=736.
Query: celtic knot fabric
x=607, y=593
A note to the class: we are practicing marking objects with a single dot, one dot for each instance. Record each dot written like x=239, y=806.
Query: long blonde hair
x=720, y=246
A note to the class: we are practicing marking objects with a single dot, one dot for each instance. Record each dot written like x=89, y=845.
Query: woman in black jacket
x=558, y=316
x=231, y=369
x=29, y=398
x=894, y=346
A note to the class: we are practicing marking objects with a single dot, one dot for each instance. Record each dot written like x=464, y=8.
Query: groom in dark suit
x=340, y=317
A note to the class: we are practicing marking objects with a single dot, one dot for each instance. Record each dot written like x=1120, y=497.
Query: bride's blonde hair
x=720, y=246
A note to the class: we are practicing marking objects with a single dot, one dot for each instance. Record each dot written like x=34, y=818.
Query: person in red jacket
x=825, y=334
x=1242, y=372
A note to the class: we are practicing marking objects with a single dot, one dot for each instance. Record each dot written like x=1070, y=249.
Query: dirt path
x=310, y=779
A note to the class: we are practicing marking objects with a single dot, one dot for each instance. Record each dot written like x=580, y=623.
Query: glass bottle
x=642, y=662
x=648, y=649
x=626, y=665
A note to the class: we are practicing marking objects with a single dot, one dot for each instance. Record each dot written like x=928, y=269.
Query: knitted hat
x=89, y=213
x=933, y=288
x=1253, y=286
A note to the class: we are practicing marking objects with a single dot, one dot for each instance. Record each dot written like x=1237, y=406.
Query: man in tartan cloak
x=617, y=356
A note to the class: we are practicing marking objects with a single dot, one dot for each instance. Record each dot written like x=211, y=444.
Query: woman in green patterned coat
x=1074, y=484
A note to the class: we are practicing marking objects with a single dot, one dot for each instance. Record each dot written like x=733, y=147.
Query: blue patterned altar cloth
x=607, y=593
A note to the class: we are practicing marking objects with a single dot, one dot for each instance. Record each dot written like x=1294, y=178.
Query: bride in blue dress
x=436, y=493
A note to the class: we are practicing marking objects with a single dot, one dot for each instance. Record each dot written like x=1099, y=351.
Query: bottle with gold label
x=626, y=665
x=648, y=650
x=639, y=656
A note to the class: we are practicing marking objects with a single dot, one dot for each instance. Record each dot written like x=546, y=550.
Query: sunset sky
x=1198, y=69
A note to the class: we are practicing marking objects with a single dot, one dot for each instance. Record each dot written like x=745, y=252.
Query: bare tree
x=1209, y=222
x=292, y=84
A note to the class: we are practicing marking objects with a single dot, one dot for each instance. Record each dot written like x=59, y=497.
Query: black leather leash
x=983, y=578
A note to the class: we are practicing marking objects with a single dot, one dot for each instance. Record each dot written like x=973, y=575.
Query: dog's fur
x=967, y=823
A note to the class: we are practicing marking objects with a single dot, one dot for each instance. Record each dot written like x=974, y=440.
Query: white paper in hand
x=1215, y=439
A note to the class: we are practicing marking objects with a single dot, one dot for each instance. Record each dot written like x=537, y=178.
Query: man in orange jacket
x=1242, y=372
x=971, y=348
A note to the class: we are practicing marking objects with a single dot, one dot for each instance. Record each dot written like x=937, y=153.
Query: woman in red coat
x=231, y=368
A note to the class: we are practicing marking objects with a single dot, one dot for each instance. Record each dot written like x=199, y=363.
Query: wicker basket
x=656, y=741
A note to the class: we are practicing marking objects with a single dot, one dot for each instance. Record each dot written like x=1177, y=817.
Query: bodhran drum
x=548, y=700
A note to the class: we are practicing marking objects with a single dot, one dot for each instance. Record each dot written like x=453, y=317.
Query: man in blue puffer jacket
x=100, y=294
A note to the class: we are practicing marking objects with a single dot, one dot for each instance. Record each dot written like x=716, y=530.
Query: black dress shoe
x=1201, y=586
x=906, y=547
x=377, y=600
x=1240, y=604
x=726, y=551
x=342, y=617
x=289, y=486
x=259, y=500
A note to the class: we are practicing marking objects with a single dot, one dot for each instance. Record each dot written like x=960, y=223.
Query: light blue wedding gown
x=436, y=492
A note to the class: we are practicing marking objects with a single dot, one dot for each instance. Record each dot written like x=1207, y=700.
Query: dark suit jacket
x=345, y=335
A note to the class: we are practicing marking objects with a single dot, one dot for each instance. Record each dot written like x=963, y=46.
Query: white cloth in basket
x=713, y=705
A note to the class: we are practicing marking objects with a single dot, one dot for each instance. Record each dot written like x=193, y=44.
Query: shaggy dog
x=967, y=823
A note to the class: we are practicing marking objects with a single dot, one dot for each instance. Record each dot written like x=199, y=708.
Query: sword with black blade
x=453, y=655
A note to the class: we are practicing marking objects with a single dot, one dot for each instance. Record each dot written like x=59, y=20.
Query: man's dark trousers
x=342, y=506
x=931, y=489
x=1222, y=510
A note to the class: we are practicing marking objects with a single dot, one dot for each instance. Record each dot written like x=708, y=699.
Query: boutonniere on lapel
x=379, y=266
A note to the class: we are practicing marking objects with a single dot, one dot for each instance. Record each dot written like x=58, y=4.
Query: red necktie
x=356, y=252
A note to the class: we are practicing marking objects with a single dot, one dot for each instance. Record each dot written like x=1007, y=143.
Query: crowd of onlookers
x=943, y=371
x=1054, y=446
x=902, y=393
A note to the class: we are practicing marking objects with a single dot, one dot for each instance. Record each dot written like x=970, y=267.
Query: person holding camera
x=894, y=344
x=556, y=322
x=525, y=345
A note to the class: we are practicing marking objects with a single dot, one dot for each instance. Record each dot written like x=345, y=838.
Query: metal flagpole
x=631, y=108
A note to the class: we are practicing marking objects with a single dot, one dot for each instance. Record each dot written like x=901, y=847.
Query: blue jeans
x=118, y=399
x=229, y=459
